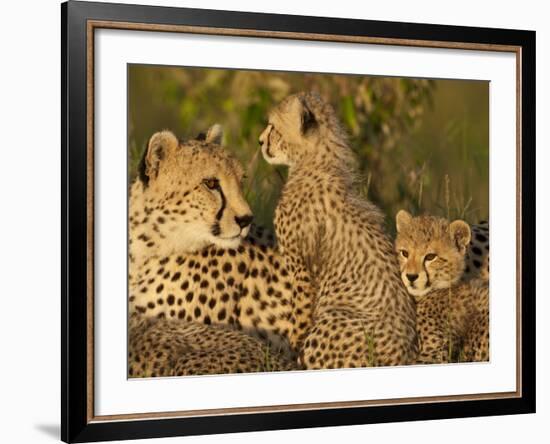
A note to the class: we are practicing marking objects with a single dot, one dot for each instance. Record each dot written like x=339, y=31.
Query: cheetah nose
x=244, y=221
x=412, y=277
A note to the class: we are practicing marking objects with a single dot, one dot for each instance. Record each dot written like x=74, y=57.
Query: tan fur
x=350, y=307
x=452, y=314
x=191, y=276
x=164, y=347
x=173, y=209
x=424, y=237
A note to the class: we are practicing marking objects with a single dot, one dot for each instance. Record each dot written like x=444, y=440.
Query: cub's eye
x=212, y=183
x=430, y=256
x=404, y=253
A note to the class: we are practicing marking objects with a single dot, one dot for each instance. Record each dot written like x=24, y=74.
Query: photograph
x=283, y=221
x=294, y=221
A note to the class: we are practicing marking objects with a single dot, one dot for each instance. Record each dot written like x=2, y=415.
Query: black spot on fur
x=481, y=238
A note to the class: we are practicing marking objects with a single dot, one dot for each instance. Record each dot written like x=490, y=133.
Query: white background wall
x=30, y=221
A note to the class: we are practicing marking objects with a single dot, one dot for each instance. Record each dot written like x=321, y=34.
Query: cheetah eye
x=212, y=183
x=430, y=257
x=404, y=253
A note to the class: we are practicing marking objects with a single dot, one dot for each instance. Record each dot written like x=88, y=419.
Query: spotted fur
x=182, y=269
x=477, y=256
x=452, y=314
x=350, y=307
x=169, y=347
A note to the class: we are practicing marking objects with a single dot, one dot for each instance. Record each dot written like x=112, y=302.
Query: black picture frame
x=77, y=425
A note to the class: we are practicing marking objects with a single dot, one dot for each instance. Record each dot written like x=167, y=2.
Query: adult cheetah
x=452, y=314
x=351, y=308
x=194, y=257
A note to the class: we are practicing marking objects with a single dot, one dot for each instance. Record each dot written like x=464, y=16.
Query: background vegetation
x=423, y=144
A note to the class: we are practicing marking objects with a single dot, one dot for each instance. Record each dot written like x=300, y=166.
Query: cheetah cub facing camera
x=350, y=308
x=452, y=314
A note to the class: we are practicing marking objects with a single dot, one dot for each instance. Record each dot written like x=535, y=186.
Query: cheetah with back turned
x=350, y=306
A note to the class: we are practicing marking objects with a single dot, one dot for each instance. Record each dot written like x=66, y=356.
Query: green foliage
x=408, y=133
x=371, y=351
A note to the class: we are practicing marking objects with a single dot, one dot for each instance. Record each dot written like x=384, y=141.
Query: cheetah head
x=192, y=192
x=431, y=251
x=296, y=129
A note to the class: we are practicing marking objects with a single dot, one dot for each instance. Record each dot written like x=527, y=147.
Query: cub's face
x=274, y=148
x=193, y=191
x=431, y=251
x=291, y=133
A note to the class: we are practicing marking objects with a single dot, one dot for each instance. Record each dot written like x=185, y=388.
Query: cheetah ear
x=461, y=234
x=303, y=114
x=402, y=219
x=158, y=148
x=214, y=134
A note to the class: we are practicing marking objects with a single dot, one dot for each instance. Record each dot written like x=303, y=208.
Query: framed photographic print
x=276, y=221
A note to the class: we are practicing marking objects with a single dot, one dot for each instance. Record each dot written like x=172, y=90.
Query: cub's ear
x=301, y=113
x=214, y=134
x=460, y=234
x=402, y=219
x=160, y=145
